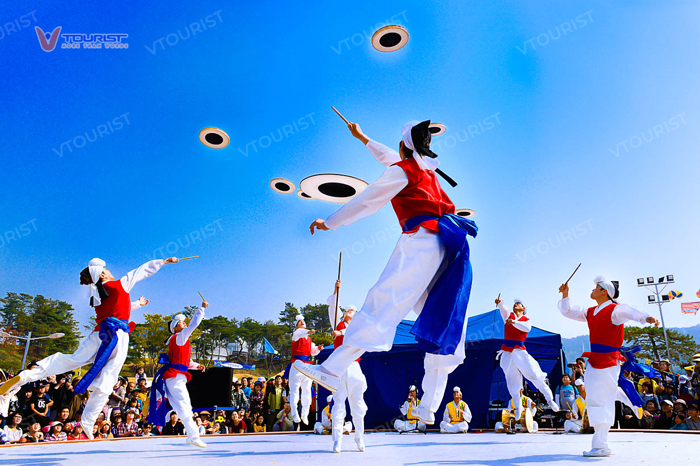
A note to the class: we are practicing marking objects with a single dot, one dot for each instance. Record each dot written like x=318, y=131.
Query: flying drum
x=466, y=213
x=332, y=187
x=282, y=186
x=389, y=38
x=214, y=137
x=303, y=195
x=436, y=129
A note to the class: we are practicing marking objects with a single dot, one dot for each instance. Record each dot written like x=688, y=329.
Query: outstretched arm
x=197, y=318
x=137, y=304
x=624, y=313
x=145, y=271
x=567, y=309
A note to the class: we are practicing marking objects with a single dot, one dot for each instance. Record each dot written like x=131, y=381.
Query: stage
x=385, y=449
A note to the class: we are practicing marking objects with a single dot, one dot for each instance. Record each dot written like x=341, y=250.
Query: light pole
x=658, y=299
x=29, y=338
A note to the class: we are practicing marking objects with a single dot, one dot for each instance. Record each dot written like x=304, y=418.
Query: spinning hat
x=436, y=129
x=332, y=187
x=390, y=38
x=282, y=186
x=303, y=195
x=214, y=138
x=466, y=213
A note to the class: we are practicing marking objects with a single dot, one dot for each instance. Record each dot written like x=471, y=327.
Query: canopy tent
x=480, y=378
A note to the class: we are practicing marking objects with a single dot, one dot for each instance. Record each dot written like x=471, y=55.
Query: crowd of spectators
x=50, y=411
x=671, y=400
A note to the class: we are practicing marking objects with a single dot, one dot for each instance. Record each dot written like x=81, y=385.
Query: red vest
x=338, y=341
x=421, y=196
x=301, y=347
x=604, y=332
x=118, y=304
x=512, y=333
x=178, y=355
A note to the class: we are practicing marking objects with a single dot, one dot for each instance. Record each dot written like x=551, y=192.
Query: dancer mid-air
x=428, y=272
x=607, y=333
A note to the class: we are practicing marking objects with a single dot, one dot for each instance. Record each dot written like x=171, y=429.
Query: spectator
x=204, y=415
x=219, y=428
x=130, y=386
x=680, y=407
x=174, y=426
x=246, y=387
x=236, y=425
x=238, y=398
x=105, y=430
x=202, y=430
x=147, y=431
x=693, y=420
x=77, y=402
x=40, y=404
x=284, y=419
x=625, y=417
x=579, y=370
x=54, y=432
x=141, y=392
x=684, y=387
x=276, y=400
x=566, y=394
x=668, y=394
x=665, y=420
x=63, y=415
x=259, y=424
x=649, y=415
x=33, y=434
x=12, y=430
x=680, y=422
x=140, y=375
x=133, y=405
x=128, y=428
x=61, y=393
x=117, y=397
x=257, y=397
x=77, y=433
x=648, y=394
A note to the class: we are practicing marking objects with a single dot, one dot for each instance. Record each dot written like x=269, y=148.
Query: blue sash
x=598, y=348
x=632, y=365
x=108, y=335
x=438, y=329
x=513, y=343
x=159, y=405
x=300, y=357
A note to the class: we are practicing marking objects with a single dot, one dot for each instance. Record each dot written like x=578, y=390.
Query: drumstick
x=200, y=295
x=572, y=275
x=187, y=258
x=499, y=296
x=341, y=116
x=337, y=294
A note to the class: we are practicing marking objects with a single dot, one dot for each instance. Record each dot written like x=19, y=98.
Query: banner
x=268, y=347
x=234, y=365
x=690, y=308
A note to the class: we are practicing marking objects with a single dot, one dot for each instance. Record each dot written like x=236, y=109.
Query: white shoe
x=336, y=446
x=87, y=430
x=305, y=419
x=360, y=443
x=197, y=442
x=555, y=407
x=296, y=419
x=329, y=381
x=10, y=384
x=597, y=452
x=518, y=412
x=424, y=415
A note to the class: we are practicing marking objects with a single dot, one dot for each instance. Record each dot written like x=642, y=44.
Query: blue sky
x=572, y=131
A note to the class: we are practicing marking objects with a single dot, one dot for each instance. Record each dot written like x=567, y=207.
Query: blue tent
x=389, y=374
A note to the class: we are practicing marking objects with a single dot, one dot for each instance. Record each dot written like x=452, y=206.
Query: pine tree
x=653, y=344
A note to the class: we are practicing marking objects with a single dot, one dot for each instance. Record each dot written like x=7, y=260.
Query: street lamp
x=29, y=338
x=658, y=299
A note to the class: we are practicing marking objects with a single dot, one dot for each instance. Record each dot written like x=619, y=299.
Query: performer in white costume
x=302, y=350
x=417, y=263
x=574, y=418
x=352, y=385
x=107, y=346
x=516, y=362
x=175, y=376
x=607, y=333
x=410, y=423
x=457, y=416
x=525, y=403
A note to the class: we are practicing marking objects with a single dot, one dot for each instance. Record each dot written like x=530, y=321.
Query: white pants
x=103, y=384
x=499, y=427
x=406, y=426
x=601, y=393
x=415, y=264
x=179, y=398
x=352, y=388
x=449, y=428
x=519, y=364
x=299, y=382
x=573, y=426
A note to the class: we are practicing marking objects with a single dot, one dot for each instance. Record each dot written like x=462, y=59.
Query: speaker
x=211, y=387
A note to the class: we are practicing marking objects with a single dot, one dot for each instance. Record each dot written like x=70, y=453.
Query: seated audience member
x=219, y=428
x=527, y=404
x=128, y=428
x=206, y=423
x=680, y=422
x=457, y=415
x=284, y=419
x=235, y=424
x=668, y=394
x=118, y=395
x=77, y=433
x=665, y=420
x=202, y=430
x=579, y=369
x=648, y=394
x=574, y=418
x=133, y=405
x=680, y=407
x=693, y=419
x=174, y=426
x=409, y=422
x=259, y=424
x=63, y=415
x=105, y=430
x=147, y=431
x=649, y=416
x=33, y=434
x=565, y=394
x=12, y=430
x=140, y=375
x=326, y=424
x=54, y=432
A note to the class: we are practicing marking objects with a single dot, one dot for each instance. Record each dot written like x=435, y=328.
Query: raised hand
x=171, y=260
x=320, y=224
x=143, y=301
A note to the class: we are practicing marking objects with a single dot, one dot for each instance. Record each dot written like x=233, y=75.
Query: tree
x=148, y=340
x=653, y=344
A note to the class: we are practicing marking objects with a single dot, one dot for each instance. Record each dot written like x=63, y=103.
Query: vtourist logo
x=49, y=40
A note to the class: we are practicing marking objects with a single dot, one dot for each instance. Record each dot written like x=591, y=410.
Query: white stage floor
x=383, y=449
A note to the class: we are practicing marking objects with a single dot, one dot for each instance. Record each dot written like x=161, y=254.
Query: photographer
x=578, y=369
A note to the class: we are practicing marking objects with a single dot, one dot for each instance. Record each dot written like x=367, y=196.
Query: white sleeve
x=135, y=305
x=382, y=153
x=145, y=271
x=331, y=311
x=446, y=414
x=572, y=312
x=467, y=413
x=504, y=311
x=314, y=349
x=523, y=326
x=404, y=408
x=300, y=333
x=374, y=197
x=623, y=313
x=183, y=336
